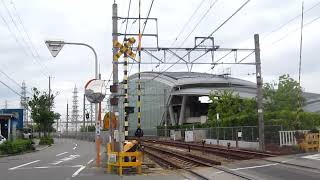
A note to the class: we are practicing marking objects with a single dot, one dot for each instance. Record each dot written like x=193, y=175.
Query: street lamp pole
x=55, y=47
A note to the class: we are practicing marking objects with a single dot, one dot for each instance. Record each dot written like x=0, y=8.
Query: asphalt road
x=73, y=159
x=62, y=161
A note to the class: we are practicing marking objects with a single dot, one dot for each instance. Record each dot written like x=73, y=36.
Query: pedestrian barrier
x=310, y=142
x=287, y=138
x=123, y=160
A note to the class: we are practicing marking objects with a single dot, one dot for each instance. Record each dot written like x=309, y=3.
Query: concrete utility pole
x=84, y=111
x=259, y=92
x=115, y=70
x=67, y=118
x=23, y=103
x=91, y=114
x=49, y=88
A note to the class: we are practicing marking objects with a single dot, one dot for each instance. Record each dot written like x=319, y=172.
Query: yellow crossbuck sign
x=124, y=49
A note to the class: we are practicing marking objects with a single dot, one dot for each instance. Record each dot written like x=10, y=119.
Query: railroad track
x=170, y=159
x=238, y=154
x=179, y=160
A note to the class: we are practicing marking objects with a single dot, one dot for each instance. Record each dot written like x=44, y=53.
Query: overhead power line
x=31, y=48
x=289, y=21
x=202, y=18
x=187, y=22
x=204, y=39
x=125, y=32
x=14, y=91
x=11, y=79
x=14, y=81
x=295, y=30
x=145, y=22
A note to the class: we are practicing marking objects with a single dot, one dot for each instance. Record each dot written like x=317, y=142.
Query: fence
x=87, y=136
x=287, y=138
x=249, y=133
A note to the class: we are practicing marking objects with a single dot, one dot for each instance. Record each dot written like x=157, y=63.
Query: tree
x=233, y=111
x=283, y=96
x=41, y=113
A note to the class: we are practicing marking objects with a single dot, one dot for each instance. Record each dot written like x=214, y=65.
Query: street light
x=54, y=47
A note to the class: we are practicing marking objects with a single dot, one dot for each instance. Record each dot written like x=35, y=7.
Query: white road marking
x=78, y=171
x=68, y=158
x=23, y=165
x=75, y=166
x=253, y=167
x=75, y=146
x=249, y=167
x=50, y=167
x=313, y=157
x=42, y=167
x=56, y=162
x=90, y=161
x=61, y=153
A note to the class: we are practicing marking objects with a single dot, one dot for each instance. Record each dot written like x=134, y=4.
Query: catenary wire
x=210, y=35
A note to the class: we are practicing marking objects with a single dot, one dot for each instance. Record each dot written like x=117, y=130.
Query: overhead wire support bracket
x=134, y=18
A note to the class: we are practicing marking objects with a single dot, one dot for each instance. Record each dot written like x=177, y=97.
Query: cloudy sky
x=25, y=25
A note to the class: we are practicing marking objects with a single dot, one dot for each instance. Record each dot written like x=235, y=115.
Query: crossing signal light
x=87, y=116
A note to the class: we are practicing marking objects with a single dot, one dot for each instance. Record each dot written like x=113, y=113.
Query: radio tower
x=74, y=115
x=23, y=102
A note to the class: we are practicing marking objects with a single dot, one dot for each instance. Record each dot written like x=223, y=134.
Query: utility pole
x=91, y=113
x=115, y=72
x=49, y=90
x=84, y=111
x=5, y=104
x=57, y=125
x=23, y=103
x=67, y=118
x=259, y=92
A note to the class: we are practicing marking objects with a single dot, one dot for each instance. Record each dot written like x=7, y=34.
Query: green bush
x=46, y=141
x=17, y=146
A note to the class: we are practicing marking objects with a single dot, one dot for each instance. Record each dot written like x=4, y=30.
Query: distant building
x=173, y=97
x=177, y=97
x=11, y=120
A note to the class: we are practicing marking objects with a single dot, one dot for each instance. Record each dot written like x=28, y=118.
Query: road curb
x=8, y=155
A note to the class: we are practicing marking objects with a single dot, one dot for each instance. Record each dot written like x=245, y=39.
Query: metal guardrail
x=249, y=133
x=86, y=136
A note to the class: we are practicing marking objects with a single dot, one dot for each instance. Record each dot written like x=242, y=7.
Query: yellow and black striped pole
x=126, y=97
x=139, y=84
x=139, y=132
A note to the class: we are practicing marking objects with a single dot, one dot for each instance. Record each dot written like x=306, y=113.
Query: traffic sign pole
x=54, y=48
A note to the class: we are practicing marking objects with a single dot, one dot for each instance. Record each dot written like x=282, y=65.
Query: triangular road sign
x=54, y=48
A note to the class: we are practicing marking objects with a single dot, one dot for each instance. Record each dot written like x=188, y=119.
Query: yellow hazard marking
x=124, y=48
